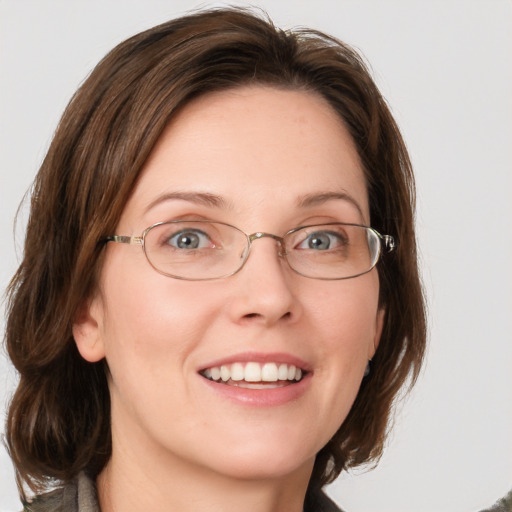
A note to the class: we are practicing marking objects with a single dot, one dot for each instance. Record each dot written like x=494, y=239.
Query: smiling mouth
x=255, y=375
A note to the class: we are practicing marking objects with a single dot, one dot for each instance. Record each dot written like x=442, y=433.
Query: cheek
x=346, y=319
x=346, y=314
x=152, y=326
x=151, y=319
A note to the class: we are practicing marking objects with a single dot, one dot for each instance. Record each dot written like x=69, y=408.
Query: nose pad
x=245, y=253
x=281, y=252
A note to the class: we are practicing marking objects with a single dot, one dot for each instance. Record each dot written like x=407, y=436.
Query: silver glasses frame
x=387, y=244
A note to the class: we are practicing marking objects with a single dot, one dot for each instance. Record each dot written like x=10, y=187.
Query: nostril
x=286, y=316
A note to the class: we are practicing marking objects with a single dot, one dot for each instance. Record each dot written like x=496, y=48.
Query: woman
x=201, y=292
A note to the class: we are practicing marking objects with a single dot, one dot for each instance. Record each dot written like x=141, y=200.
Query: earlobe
x=379, y=326
x=87, y=331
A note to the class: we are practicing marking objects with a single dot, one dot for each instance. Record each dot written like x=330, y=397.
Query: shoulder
x=79, y=495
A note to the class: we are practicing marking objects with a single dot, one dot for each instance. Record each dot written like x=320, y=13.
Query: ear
x=379, y=326
x=87, y=330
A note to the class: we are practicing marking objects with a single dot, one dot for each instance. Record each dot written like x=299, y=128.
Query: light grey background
x=446, y=68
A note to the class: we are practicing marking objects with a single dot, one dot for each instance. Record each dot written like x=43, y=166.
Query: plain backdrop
x=446, y=69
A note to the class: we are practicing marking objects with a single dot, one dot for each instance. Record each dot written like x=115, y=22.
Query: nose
x=265, y=286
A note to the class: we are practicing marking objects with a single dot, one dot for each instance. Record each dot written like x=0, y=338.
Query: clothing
x=77, y=496
x=80, y=496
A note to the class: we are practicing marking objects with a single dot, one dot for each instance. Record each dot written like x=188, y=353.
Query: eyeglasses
x=202, y=250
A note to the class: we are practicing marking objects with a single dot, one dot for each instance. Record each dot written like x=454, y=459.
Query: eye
x=189, y=239
x=323, y=241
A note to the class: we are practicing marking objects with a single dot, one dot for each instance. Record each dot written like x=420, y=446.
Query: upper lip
x=259, y=357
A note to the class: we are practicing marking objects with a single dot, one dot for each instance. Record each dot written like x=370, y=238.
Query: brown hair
x=59, y=419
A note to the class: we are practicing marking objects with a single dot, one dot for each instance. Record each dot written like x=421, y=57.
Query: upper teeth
x=254, y=372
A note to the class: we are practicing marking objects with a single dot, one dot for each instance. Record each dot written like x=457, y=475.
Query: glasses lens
x=332, y=251
x=195, y=250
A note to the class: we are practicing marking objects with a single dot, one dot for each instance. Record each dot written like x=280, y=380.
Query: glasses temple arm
x=120, y=239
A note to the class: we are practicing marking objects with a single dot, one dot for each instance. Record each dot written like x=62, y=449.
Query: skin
x=261, y=149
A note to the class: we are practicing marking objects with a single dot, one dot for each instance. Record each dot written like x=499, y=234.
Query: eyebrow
x=201, y=198
x=216, y=201
x=316, y=199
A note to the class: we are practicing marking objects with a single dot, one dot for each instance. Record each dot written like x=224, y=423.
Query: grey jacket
x=77, y=496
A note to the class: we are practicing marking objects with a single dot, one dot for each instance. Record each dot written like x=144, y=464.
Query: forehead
x=255, y=147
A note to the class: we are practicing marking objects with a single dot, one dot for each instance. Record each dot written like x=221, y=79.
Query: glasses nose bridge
x=260, y=234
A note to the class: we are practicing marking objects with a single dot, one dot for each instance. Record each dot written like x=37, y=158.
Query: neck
x=132, y=482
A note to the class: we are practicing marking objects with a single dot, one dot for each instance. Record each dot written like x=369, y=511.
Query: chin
x=269, y=455
x=265, y=467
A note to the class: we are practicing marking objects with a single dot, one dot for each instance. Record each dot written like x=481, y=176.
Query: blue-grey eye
x=189, y=239
x=321, y=241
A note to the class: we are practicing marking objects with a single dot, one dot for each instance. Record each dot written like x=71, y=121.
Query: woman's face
x=261, y=159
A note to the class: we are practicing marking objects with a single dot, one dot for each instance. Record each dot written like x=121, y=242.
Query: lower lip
x=271, y=397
